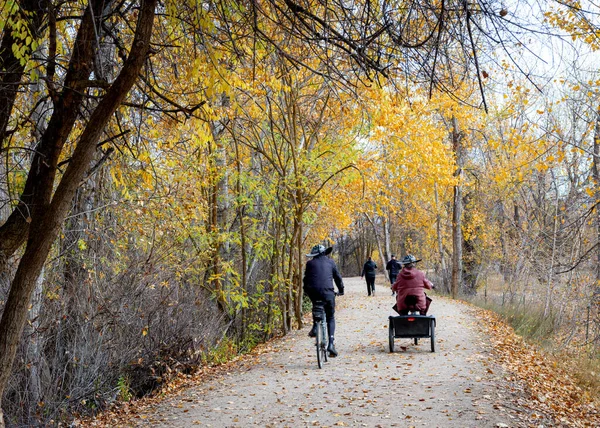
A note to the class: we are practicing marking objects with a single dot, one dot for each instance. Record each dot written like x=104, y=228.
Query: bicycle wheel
x=325, y=341
x=319, y=346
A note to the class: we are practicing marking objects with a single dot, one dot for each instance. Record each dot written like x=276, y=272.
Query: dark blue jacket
x=369, y=269
x=393, y=266
x=319, y=275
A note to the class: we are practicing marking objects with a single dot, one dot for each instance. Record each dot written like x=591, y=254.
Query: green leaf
x=81, y=245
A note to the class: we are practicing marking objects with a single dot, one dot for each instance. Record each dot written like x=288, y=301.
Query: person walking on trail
x=411, y=282
x=369, y=271
x=393, y=267
x=319, y=275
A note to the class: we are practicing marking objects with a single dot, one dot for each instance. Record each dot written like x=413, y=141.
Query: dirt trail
x=457, y=386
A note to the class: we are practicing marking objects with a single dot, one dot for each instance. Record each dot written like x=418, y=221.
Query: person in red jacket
x=411, y=282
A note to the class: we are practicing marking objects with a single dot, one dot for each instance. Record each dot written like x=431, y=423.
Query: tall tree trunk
x=470, y=261
x=377, y=239
x=596, y=177
x=387, y=242
x=457, y=212
x=34, y=345
x=550, y=279
x=298, y=274
x=219, y=206
x=34, y=348
x=440, y=242
x=241, y=212
x=274, y=280
x=47, y=216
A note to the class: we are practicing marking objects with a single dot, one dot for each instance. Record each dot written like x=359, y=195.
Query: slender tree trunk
x=440, y=242
x=457, y=212
x=274, y=281
x=219, y=206
x=289, y=276
x=358, y=253
x=298, y=276
x=377, y=239
x=34, y=346
x=213, y=229
x=241, y=212
x=596, y=177
x=47, y=217
x=550, y=279
x=4, y=193
x=387, y=243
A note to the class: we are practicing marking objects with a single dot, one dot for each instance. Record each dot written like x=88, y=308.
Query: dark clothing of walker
x=369, y=271
x=393, y=267
x=319, y=275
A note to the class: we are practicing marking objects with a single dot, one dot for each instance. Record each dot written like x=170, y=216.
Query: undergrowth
x=584, y=366
x=580, y=361
x=528, y=322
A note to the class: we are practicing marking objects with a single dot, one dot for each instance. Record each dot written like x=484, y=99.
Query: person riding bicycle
x=319, y=274
x=411, y=282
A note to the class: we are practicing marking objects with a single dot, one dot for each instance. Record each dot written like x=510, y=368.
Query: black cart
x=412, y=327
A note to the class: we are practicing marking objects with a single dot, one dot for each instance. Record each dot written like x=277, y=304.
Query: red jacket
x=411, y=282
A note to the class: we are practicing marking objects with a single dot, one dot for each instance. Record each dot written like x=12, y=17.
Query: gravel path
x=457, y=386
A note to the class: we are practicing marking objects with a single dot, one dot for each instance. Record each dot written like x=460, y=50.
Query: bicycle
x=321, y=338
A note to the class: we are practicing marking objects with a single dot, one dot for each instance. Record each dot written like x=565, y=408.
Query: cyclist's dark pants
x=328, y=299
x=393, y=278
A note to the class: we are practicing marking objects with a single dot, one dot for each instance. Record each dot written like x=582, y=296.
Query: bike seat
x=411, y=303
x=318, y=311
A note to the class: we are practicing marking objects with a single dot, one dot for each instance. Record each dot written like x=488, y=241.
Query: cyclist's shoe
x=313, y=331
x=331, y=349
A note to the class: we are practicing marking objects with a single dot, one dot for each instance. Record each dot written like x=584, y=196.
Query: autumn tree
x=173, y=85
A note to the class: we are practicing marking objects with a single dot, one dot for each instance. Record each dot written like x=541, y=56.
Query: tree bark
x=41, y=178
x=34, y=347
x=50, y=212
x=377, y=240
x=298, y=275
x=440, y=242
x=387, y=242
x=550, y=279
x=596, y=183
x=457, y=212
x=240, y=207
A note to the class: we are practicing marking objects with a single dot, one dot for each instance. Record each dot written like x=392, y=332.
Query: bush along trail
x=481, y=375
